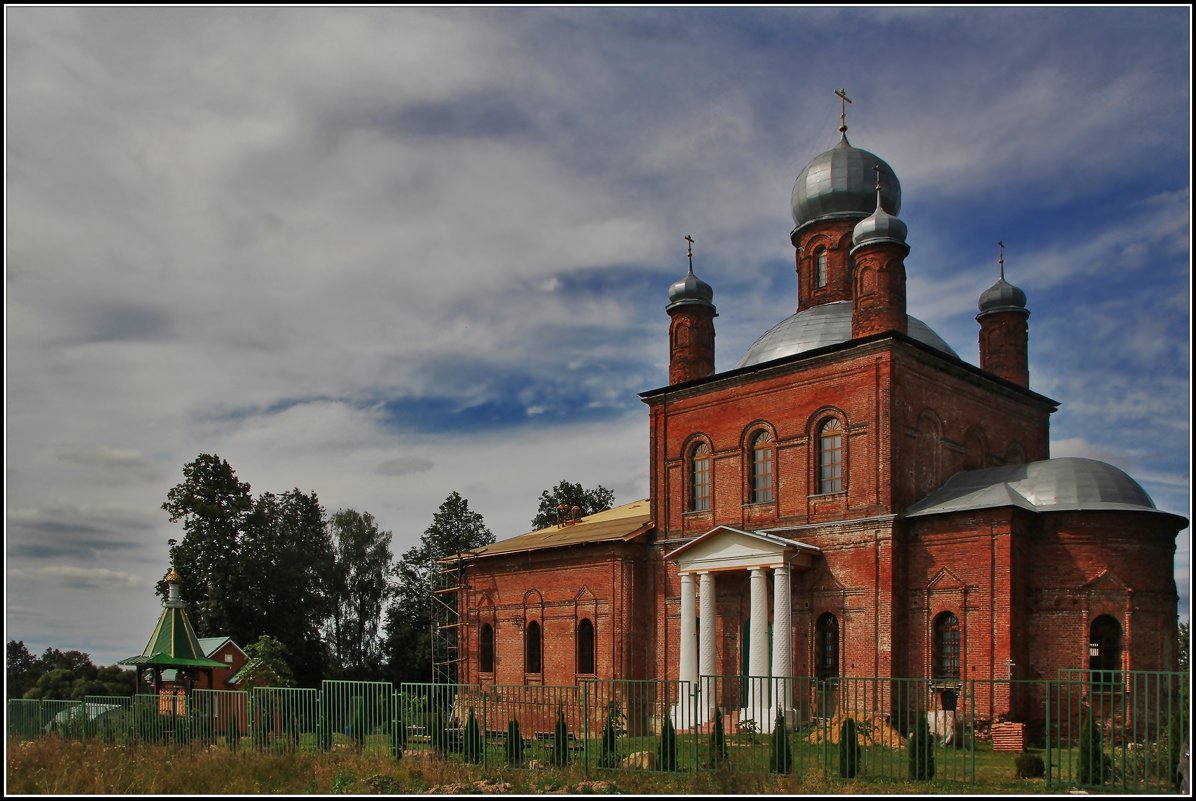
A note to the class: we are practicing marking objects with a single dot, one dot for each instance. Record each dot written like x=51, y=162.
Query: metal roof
x=819, y=326
x=173, y=643
x=620, y=524
x=1064, y=484
x=841, y=183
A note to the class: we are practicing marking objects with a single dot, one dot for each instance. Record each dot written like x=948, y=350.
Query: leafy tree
x=455, y=528
x=20, y=669
x=360, y=563
x=67, y=675
x=1185, y=641
x=286, y=559
x=212, y=505
x=266, y=664
x=570, y=495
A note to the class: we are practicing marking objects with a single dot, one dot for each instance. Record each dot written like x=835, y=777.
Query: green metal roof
x=173, y=644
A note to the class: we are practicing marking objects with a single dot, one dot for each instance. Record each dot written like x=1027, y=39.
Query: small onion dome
x=690, y=291
x=840, y=184
x=1002, y=296
x=880, y=226
x=173, y=577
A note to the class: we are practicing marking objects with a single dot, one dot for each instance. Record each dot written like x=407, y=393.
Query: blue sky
x=384, y=254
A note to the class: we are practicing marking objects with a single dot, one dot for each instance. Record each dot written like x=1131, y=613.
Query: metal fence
x=1110, y=730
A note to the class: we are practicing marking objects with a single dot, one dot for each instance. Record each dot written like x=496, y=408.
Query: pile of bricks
x=1009, y=737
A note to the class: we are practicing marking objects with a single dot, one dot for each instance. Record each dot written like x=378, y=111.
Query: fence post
x=1049, y=753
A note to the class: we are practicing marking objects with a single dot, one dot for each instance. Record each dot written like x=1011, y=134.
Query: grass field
x=54, y=766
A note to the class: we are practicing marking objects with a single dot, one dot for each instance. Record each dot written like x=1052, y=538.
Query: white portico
x=725, y=550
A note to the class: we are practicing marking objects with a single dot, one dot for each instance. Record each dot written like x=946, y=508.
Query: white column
x=758, y=653
x=706, y=644
x=782, y=631
x=688, y=656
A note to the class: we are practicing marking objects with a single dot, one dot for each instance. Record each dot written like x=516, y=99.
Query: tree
x=285, y=563
x=65, y=675
x=1185, y=641
x=455, y=528
x=212, y=505
x=265, y=664
x=361, y=560
x=570, y=495
x=921, y=748
x=20, y=669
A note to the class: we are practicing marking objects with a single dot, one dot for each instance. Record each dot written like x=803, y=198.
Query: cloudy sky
x=385, y=254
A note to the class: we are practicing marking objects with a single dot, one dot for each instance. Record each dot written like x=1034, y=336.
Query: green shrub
x=718, y=740
x=1096, y=767
x=232, y=734
x=1029, y=766
x=438, y=735
x=560, y=740
x=474, y=747
x=668, y=745
x=921, y=749
x=849, y=749
x=609, y=754
x=514, y=744
x=780, y=759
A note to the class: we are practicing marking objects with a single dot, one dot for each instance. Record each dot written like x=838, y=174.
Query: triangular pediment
x=945, y=580
x=827, y=583
x=585, y=594
x=727, y=548
x=1107, y=581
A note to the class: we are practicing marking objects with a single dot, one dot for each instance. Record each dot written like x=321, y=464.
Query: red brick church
x=851, y=498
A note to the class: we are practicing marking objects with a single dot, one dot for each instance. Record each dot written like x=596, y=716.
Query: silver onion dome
x=841, y=183
x=879, y=226
x=690, y=291
x=1002, y=296
x=820, y=326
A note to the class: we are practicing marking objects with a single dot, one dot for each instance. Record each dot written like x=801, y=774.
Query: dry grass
x=56, y=767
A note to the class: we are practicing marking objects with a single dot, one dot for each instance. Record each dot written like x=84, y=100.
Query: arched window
x=1104, y=651
x=820, y=267
x=486, y=649
x=585, y=647
x=826, y=646
x=531, y=648
x=946, y=646
x=830, y=457
x=699, y=463
x=762, y=468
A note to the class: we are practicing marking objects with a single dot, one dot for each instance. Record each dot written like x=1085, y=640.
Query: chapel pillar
x=688, y=653
x=707, y=667
x=782, y=632
x=758, y=650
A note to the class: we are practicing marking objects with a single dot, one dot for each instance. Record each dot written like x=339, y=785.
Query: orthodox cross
x=690, y=240
x=844, y=100
x=876, y=169
x=1001, y=257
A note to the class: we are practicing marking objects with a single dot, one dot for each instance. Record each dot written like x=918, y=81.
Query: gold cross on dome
x=844, y=100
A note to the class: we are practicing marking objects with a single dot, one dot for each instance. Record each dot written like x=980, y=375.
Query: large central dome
x=841, y=184
x=819, y=326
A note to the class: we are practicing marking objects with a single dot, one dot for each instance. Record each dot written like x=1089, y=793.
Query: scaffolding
x=447, y=649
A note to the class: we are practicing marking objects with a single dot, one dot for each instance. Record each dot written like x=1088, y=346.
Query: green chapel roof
x=173, y=643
